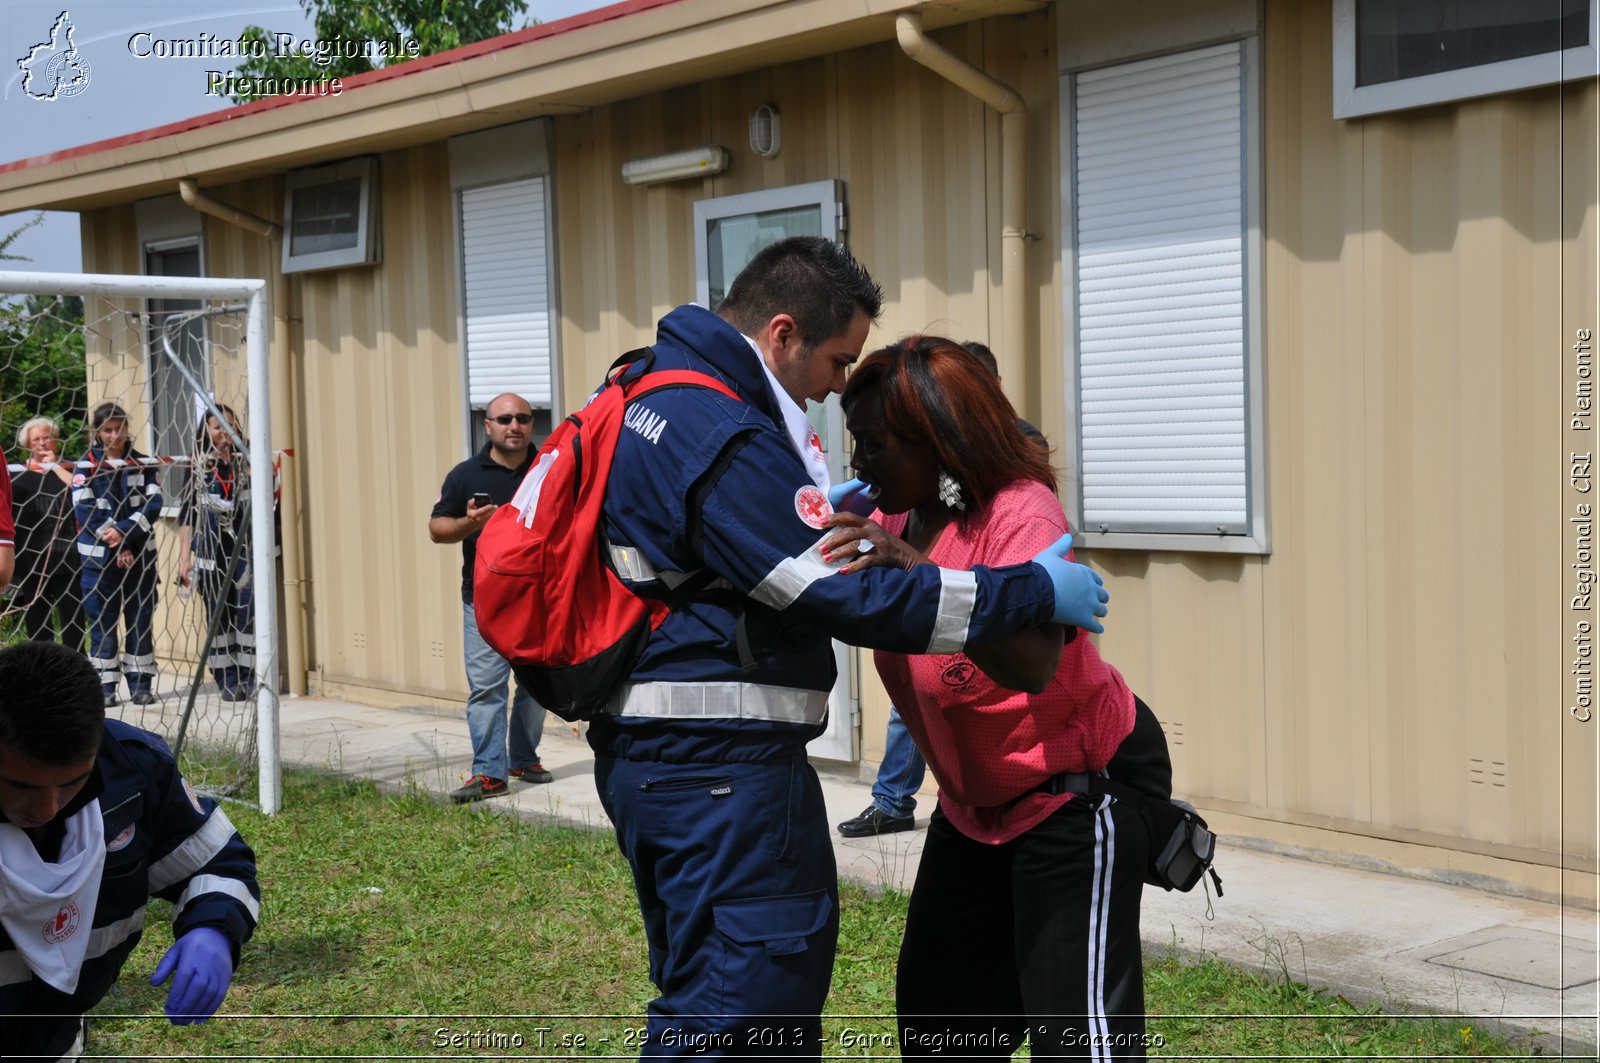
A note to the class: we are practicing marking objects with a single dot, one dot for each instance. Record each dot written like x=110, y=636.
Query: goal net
x=133, y=416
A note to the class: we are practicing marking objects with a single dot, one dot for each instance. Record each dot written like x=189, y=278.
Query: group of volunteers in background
x=85, y=548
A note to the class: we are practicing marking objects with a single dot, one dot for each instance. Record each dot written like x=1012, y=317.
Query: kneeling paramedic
x=94, y=820
x=701, y=755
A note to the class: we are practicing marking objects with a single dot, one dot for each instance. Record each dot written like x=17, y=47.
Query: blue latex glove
x=201, y=966
x=851, y=497
x=1080, y=595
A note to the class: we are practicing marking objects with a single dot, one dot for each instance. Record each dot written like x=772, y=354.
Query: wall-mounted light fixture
x=676, y=165
x=766, y=131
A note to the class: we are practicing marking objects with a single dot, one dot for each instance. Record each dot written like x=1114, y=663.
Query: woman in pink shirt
x=1024, y=919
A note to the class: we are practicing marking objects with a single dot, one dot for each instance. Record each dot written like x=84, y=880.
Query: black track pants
x=1038, y=937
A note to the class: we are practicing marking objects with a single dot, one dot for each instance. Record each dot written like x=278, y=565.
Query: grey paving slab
x=1531, y=957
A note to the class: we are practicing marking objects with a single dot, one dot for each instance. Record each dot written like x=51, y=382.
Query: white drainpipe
x=1013, y=182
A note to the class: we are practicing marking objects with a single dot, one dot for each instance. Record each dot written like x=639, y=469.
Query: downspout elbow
x=915, y=43
x=206, y=205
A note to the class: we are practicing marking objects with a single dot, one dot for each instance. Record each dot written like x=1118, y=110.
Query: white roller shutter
x=505, y=268
x=1159, y=221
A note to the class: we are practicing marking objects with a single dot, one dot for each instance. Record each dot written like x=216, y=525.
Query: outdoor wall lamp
x=676, y=165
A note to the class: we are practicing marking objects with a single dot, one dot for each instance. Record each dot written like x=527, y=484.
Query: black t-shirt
x=478, y=473
x=45, y=525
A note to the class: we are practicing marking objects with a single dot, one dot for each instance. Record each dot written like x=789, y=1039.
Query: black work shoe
x=479, y=787
x=144, y=697
x=113, y=702
x=875, y=821
x=534, y=773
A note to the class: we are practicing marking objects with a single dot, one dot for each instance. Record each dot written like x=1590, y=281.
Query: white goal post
x=253, y=295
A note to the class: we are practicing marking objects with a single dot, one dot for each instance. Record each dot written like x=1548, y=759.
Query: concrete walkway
x=1408, y=944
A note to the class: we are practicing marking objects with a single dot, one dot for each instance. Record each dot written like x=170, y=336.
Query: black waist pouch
x=1182, y=847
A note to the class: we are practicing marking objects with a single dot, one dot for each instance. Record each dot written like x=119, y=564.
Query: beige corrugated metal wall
x=382, y=383
x=920, y=163
x=1393, y=670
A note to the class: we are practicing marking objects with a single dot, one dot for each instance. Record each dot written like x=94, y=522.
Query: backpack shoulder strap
x=661, y=379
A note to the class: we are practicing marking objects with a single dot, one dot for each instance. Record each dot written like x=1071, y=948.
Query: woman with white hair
x=47, y=560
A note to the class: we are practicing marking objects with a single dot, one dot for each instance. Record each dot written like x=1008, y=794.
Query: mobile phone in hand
x=480, y=498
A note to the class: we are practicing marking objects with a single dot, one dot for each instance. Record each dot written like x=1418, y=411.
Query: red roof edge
x=371, y=77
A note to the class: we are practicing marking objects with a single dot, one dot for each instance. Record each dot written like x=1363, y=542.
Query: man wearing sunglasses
x=471, y=492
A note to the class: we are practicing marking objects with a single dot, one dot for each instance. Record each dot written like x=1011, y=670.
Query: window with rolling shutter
x=1160, y=307
x=506, y=291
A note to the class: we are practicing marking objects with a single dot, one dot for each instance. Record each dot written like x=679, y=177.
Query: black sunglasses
x=507, y=418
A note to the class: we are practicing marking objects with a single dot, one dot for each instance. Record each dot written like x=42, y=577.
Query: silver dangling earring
x=950, y=491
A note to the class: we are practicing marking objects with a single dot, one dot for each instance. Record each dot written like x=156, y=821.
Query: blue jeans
x=894, y=791
x=487, y=673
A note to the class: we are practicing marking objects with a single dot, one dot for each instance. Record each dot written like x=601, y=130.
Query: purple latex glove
x=853, y=496
x=1080, y=594
x=201, y=966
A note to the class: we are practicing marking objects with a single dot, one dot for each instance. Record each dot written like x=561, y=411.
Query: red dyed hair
x=937, y=394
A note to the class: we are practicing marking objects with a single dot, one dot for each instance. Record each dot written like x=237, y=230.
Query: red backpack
x=545, y=592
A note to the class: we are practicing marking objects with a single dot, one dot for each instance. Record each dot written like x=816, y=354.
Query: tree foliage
x=435, y=25
x=42, y=367
x=10, y=238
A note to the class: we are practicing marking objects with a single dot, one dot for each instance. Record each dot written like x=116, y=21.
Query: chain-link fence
x=126, y=421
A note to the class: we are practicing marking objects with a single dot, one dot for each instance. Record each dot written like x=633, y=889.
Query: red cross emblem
x=63, y=925
x=811, y=505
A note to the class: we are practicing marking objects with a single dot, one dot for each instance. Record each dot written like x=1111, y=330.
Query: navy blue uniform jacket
x=126, y=496
x=702, y=481
x=161, y=841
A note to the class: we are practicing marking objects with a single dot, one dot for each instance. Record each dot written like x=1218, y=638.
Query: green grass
x=390, y=918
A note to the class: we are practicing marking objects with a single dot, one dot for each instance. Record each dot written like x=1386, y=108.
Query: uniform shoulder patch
x=812, y=507
x=194, y=798
x=121, y=841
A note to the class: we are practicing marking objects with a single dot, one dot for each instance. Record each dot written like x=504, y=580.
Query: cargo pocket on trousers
x=780, y=925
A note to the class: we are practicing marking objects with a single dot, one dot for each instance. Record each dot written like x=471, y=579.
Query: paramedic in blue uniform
x=472, y=491
x=215, y=514
x=95, y=819
x=116, y=506
x=700, y=759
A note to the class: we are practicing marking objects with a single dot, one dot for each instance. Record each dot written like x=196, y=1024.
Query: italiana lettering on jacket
x=647, y=423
